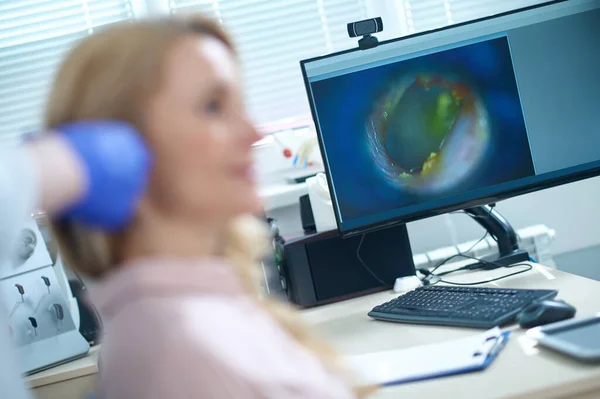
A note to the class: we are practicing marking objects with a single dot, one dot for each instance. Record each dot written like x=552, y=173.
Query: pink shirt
x=186, y=329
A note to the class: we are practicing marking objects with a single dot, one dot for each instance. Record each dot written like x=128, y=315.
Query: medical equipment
x=39, y=309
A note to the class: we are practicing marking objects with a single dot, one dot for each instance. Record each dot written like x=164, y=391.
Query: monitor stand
x=509, y=252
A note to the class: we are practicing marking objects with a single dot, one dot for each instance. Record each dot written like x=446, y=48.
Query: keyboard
x=475, y=307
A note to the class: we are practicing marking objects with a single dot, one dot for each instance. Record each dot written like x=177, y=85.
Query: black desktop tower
x=324, y=268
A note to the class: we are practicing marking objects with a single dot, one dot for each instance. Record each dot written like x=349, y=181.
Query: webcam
x=366, y=28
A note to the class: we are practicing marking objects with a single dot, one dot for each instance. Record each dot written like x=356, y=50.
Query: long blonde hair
x=110, y=75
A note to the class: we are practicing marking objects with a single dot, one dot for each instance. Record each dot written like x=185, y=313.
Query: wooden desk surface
x=520, y=371
x=77, y=368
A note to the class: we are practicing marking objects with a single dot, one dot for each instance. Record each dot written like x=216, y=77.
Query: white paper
x=426, y=360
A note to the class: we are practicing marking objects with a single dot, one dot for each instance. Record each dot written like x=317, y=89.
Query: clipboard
x=465, y=355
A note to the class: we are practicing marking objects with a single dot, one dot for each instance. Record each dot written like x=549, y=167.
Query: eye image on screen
x=423, y=128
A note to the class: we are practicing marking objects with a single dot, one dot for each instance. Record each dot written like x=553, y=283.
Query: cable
x=463, y=254
x=362, y=262
x=470, y=268
x=528, y=268
x=460, y=254
x=481, y=264
x=492, y=207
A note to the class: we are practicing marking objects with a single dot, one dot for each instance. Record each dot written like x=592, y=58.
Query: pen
x=500, y=342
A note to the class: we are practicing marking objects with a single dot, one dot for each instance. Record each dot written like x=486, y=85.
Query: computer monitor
x=461, y=116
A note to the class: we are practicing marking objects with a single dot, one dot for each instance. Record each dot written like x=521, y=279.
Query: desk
x=520, y=371
x=73, y=380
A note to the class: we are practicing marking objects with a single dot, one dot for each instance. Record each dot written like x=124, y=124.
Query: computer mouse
x=545, y=312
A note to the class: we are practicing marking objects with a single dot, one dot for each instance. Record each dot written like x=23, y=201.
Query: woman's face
x=201, y=135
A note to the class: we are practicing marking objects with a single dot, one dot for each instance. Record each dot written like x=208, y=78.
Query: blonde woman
x=175, y=288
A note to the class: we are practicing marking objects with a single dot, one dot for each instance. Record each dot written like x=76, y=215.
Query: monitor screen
x=460, y=116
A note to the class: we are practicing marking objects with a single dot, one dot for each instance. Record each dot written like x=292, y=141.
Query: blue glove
x=117, y=163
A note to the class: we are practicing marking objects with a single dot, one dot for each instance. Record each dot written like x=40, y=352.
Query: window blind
x=423, y=15
x=272, y=37
x=34, y=36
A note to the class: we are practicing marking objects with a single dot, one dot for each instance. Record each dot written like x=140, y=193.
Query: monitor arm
x=498, y=227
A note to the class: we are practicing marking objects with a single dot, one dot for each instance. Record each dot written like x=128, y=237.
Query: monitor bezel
x=458, y=205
